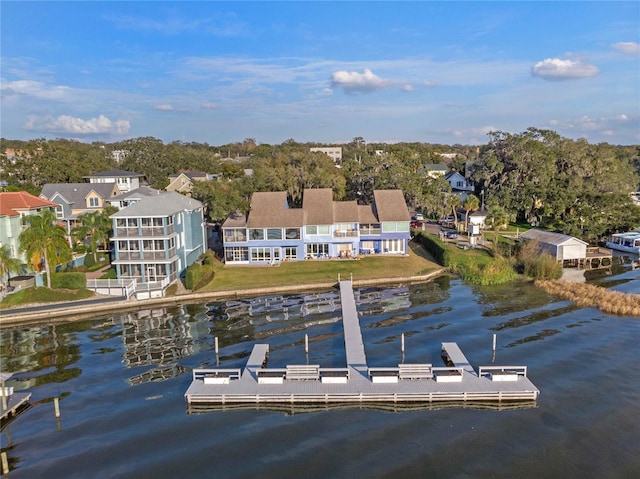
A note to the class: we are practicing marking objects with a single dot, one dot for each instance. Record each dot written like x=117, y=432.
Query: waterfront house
x=125, y=180
x=14, y=206
x=156, y=238
x=460, y=185
x=272, y=231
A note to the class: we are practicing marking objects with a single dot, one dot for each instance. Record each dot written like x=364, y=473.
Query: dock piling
x=402, y=344
x=56, y=406
x=494, y=343
x=5, y=463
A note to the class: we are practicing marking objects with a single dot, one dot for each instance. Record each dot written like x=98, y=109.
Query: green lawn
x=43, y=295
x=230, y=278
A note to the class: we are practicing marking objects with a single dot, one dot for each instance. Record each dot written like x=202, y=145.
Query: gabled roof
x=549, y=237
x=190, y=174
x=270, y=209
x=76, y=193
x=316, y=204
x=141, y=192
x=113, y=174
x=11, y=203
x=163, y=204
x=452, y=173
x=345, y=212
x=390, y=205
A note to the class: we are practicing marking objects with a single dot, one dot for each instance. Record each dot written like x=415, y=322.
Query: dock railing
x=493, y=370
x=214, y=373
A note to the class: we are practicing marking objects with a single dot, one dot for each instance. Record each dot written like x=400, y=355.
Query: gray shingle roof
x=137, y=193
x=76, y=193
x=162, y=204
x=270, y=209
x=316, y=204
x=114, y=174
x=390, y=205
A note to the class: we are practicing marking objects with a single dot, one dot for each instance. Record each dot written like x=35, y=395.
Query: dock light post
x=56, y=406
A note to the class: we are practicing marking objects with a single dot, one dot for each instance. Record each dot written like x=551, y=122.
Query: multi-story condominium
x=158, y=237
x=273, y=232
x=333, y=152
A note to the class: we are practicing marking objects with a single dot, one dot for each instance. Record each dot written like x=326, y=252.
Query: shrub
x=193, y=275
x=68, y=281
x=435, y=247
x=89, y=261
x=536, y=263
x=496, y=272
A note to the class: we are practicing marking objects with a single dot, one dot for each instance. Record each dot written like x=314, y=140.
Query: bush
x=193, y=275
x=498, y=271
x=68, y=281
x=89, y=261
x=538, y=264
x=435, y=247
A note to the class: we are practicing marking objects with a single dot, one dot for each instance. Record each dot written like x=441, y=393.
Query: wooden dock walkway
x=358, y=383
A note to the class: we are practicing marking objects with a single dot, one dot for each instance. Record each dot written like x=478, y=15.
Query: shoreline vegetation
x=591, y=296
x=428, y=257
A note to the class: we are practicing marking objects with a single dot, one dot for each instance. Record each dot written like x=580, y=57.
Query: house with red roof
x=14, y=206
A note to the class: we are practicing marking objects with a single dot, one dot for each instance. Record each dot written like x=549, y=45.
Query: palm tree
x=7, y=263
x=44, y=241
x=96, y=225
x=453, y=201
x=470, y=203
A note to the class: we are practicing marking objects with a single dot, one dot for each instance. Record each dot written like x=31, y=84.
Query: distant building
x=434, y=170
x=125, y=180
x=333, y=152
x=183, y=182
x=131, y=197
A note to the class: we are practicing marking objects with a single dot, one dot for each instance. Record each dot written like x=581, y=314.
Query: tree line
x=536, y=176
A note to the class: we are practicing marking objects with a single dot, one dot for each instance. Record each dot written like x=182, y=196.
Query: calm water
x=121, y=381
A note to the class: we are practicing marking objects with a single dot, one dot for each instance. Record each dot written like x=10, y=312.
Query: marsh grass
x=590, y=296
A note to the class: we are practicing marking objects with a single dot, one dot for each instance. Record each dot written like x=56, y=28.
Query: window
x=237, y=253
x=274, y=233
x=260, y=254
x=388, y=227
x=318, y=229
x=59, y=212
x=292, y=233
x=402, y=227
x=256, y=234
x=317, y=249
x=290, y=252
x=94, y=202
x=235, y=234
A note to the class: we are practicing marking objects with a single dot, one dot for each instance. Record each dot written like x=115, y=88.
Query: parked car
x=418, y=217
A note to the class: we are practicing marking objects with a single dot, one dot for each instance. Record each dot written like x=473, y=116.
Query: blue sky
x=220, y=72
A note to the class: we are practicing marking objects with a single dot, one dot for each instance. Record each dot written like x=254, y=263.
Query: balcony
x=146, y=255
x=345, y=234
x=146, y=232
x=370, y=231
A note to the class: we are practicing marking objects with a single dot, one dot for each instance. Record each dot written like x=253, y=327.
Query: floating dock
x=357, y=383
x=12, y=404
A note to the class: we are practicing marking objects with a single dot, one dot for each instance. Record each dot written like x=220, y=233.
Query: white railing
x=112, y=287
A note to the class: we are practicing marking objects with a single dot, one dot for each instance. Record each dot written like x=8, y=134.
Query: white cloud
x=631, y=48
x=429, y=84
x=354, y=82
x=557, y=69
x=208, y=106
x=408, y=87
x=77, y=126
x=164, y=107
x=34, y=89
